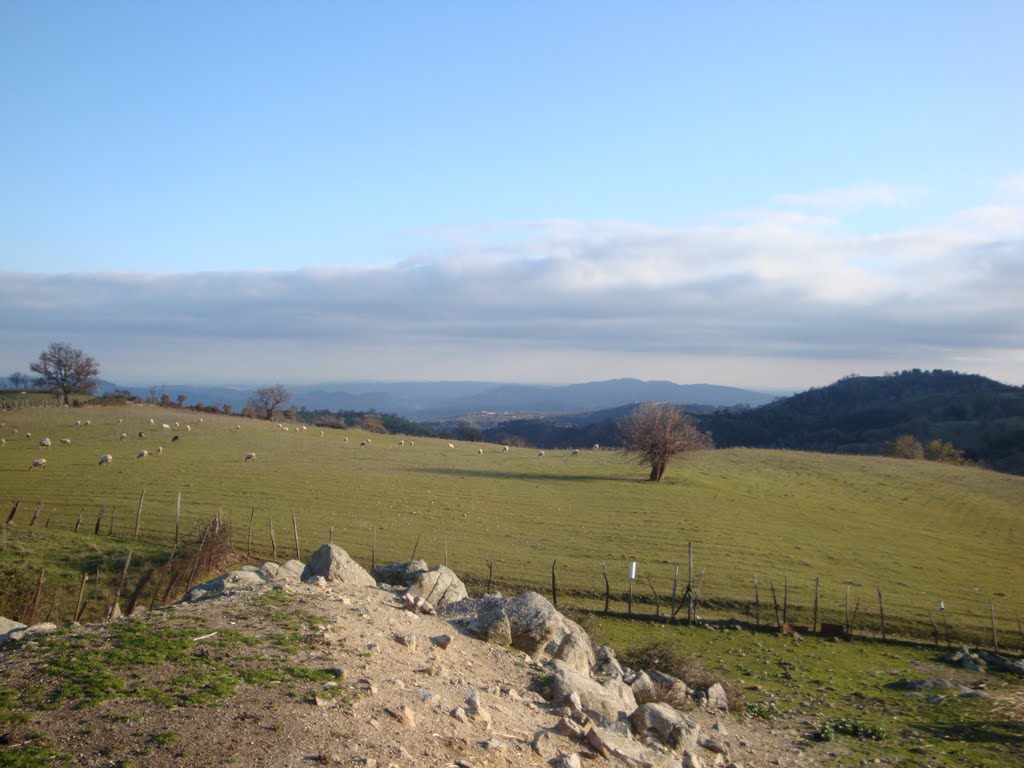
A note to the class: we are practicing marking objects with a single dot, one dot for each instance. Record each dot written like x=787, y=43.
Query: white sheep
x=346, y=439
x=201, y=420
x=504, y=449
x=188, y=427
x=142, y=434
x=87, y=422
x=575, y=452
x=78, y=423
x=28, y=435
x=176, y=424
x=321, y=433
x=124, y=436
x=303, y=427
x=120, y=421
x=540, y=455
x=412, y=443
x=596, y=447
x=3, y=441
x=142, y=454
x=237, y=427
x=250, y=456
x=166, y=427
x=401, y=442
x=38, y=464
x=44, y=443
x=159, y=449
x=152, y=422
x=65, y=441
x=480, y=451
x=364, y=443
x=106, y=458
x=451, y=445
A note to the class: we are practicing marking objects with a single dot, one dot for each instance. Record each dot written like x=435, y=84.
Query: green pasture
x=919, y=531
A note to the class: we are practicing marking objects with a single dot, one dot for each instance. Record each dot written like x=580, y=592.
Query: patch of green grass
x=164, y=739
x=36, y=753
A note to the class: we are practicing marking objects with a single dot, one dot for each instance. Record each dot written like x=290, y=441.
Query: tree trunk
x=661, y=470
x=655, y=476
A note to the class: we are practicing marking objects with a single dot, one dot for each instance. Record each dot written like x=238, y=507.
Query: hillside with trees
x=863, y=414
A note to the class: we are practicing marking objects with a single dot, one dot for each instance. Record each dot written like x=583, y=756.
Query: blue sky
x=769, y=194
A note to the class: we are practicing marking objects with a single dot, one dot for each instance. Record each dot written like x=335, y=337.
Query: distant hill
x=860, y=414
x=424, y=401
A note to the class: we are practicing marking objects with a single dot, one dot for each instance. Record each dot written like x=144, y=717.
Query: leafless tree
x=655, y=432
x=266, y=400
x=64, y=369
x=18, y=380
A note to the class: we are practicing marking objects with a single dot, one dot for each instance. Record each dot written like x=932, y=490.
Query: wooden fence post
x=373, y=549
x=78, y=522
x=177, y=519
x=992, y=617
x=14, y=511
x=415, y=546
x=138, y=515
x=814, y=621
x=785, y=600
x=554, y=585
x=99, y=519
x=757, y=603
x=847, y=613
x=248, y=538
x=39, y=508
x=775, y=602
x=295, y=530
x=490, y=572
x=689, y=583
x=110, y=532
x=114, y=611
x=36, y=599
x=657, y=602
x=80, y=605
x=675, y=586
x=199, y=552
x=273, y=540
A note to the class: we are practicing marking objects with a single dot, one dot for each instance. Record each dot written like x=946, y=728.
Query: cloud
x=549, y=300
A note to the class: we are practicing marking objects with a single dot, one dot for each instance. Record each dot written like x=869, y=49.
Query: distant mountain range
x=424, y=401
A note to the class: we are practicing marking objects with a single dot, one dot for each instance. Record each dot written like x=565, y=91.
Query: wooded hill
x=858, y=414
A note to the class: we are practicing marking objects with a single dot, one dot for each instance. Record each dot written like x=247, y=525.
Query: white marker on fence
x=632, y=570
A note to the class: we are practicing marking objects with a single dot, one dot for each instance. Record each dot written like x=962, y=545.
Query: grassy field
x=920, y=531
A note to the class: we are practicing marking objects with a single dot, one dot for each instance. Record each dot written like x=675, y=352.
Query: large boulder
x=399, y=574
x=334, y=564
x=244, y=579
x=7, y=626
x=291, y=571
x=666, y=724
x=628, y=753
x=604, y=701
x=438, y=586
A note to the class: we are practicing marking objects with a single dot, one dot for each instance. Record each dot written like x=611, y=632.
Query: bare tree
x=18, y=380
x=64, y=370
x=654, y=433
x=266, y=400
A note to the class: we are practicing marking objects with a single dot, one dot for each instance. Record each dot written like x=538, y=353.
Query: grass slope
x=920, y=531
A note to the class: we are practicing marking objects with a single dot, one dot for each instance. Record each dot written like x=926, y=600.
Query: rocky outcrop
x=438, y=586
x=244, y=579
x=333, y=563
x=399, y=574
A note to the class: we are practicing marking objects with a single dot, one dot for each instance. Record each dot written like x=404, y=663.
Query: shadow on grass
x=976, y=731
x=498, y=475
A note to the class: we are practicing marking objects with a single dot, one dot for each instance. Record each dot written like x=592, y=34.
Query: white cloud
x=560, y=301
x=853, y=197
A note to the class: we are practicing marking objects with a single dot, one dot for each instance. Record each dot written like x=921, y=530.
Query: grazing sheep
x=369, y=440
x=346, y=439
x=176, y=424
x=142, y=434
x=364, y=443
x=3, y=441
x=238, y=427
x=250, y=456
x=201, y=420
x=142, y=454
x=596, y=447
x=120, y=421
x=321, y=433
x=412, y=443
x=166, y=427
x=159, y=449
x=38, y=464
x=106, y=458
x=28, y=435
x=124, y=436
x=540, y=454
x=451, y=445
x=176, y=438
x=504, y=449
x=87, y=422
x=575, y=452
x=44, y=443
x=65, y=441
x=401, y=442
x=303, y=427
x=188, y=427
x=78, y=423
x=152, y=422
x=480, y=451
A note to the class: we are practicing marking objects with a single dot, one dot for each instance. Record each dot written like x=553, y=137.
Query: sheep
x=412, y=443
x=176, y=438
x=364, y=443
x=159, y=450
x=120, y=421
x=3, y=441
x=250, y=456
x=88, y=423
x=401, y=442
x=480, y=451
x=78, y=423
x=124, y=436
x=575, y=452
x=321, y=433
x=28, y=435
x=166, y=427
x=188, y=427
x=451, y=445
x=106, y=458
x=142, y=434
x=152, y=422
x=596, y=447
x=346, y=439
x=504, y=449
x=303, y=427
x=237, y=427
x=201, y=420
x=142, y=454
x=38, y=464
x=44, y=443
x=176, y=425
x=65, y=441
x=540, y=455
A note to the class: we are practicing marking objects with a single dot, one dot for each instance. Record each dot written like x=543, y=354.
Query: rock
x=712, y=745
x=7, y=626
x=644, y=689
x=399, y=574
x=494, y=745
x=441, y=641
x=606, y=664
x=605, y=701
x=439, y=586
x=667, y=725
x=290, y=571
x=22, y=632
x=669, y=689
x=491, y=623
x=690, y=760
x=333, y=563
x=545, y=744
x=270, y=569
x=577, y=651
x=227, y=584
x=717, y=698
x=533, y=621
x=459, y=714
x=403, y=715
x=569, y=760
x=628, y=753
x=409, y=641
x=569, y=729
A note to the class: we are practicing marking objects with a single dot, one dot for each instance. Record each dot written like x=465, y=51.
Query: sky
x=770, y=195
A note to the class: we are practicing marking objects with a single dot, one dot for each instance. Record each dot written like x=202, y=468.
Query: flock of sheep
x=108, y=458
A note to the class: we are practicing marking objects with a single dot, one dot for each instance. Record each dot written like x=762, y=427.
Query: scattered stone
x=690, y=760
x=630, y=753
x=476, y=711
x=605, y=701
x=494, y=745
x=334, y=564
x=544, y=744
x=439, y=586
x=717, y=698
x=409, y=641
x=403, y=715
x=227, y=584
x=568, y=728
x=22, y=632
x=577, y=651
x=670, y=727
x=441, y=641
x=569, y=760
x=606, y=664
x=459, y=714
x=399, y=574
x=290, y=571
x=712, y=745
